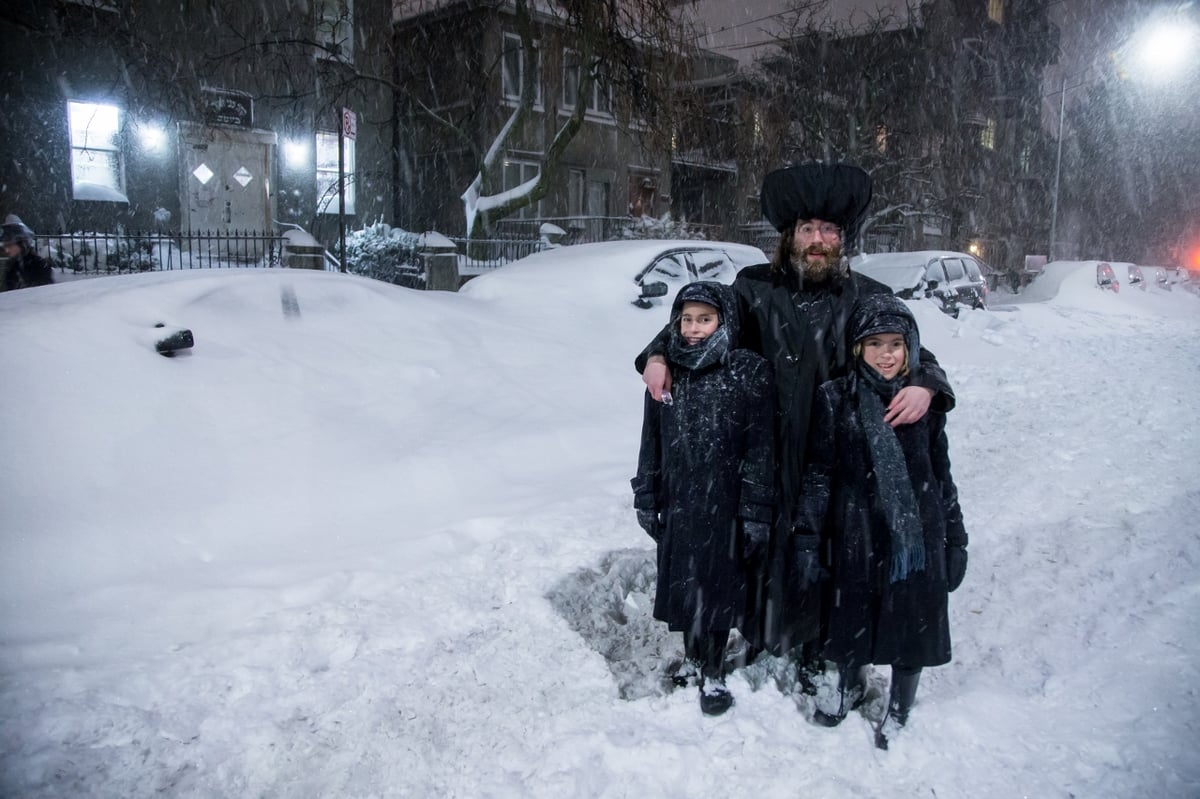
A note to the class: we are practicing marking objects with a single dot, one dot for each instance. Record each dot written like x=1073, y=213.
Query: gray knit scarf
x=892, y=481
x=702, y=354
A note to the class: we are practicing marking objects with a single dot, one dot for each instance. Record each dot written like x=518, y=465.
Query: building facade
x=197, y=116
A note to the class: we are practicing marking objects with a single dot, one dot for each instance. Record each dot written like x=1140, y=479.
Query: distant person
x=25, y=267
x=794, y=312
x=704, y=483
x=884, y=506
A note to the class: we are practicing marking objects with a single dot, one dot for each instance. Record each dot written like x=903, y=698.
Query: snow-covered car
x=654, y=268
x=953, y=278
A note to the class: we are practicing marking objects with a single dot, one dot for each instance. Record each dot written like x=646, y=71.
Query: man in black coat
x=794, y=312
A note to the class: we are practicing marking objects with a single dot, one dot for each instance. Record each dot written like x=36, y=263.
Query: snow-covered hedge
x=663, y=227
x=385, y=253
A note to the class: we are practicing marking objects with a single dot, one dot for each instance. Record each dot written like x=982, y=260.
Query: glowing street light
x=1162, y=49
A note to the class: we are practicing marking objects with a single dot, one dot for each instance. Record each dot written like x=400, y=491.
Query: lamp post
x=1062, y=113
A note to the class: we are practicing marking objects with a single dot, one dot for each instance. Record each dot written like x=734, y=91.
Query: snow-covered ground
x=384, y=547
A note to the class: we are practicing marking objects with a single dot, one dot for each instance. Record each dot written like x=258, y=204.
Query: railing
x=123, y=252
x=481, y=255
x=583, y=229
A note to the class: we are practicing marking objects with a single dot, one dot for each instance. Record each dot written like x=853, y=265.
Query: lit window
x=599, y=100
x=996, y=11
x=881, y=138
x=335, y=29
x=515, y=173
x=327, y=173
x=987, y=136
x=512, y=69
x=97, y=170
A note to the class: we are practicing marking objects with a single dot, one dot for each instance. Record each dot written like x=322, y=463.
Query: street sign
x=349, y=123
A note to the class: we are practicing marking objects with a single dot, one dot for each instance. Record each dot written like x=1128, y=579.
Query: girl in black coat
x=885, y=507
x=703, y=489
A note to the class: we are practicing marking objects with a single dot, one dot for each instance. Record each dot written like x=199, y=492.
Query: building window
x=996, y=11
x=97, y=169
x=513, y=68
x=576, y=181
x=643, y=191
x=515, y=173
x=599, y=100
x=987, y=136
x=597, y=198
x=99, y=5
x=1025, y=159
x=335, y=29
x=881, y=138
x=327, y=173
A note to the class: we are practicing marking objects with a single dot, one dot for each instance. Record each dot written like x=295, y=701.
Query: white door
x=226, y=180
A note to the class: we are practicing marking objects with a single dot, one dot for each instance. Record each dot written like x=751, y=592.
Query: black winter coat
x=706, y=464
x=25, y=271
x=871, y=620
x=801, y=331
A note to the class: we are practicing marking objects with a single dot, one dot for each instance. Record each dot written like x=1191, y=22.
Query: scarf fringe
x=906, y=563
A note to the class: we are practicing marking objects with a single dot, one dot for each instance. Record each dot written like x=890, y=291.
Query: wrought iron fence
x=123, y=252
x=481, y=255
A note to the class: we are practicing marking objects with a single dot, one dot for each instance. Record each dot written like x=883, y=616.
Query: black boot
x=903, y=695
x=685, y=674
x=715, y=698
x=708, y=649
x=851, y=688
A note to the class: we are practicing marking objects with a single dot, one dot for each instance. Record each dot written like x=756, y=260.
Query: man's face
x=816, y=247
x=12, y=249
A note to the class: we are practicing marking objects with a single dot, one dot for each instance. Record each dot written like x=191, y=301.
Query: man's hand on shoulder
x=657, y=377
x=910, y=404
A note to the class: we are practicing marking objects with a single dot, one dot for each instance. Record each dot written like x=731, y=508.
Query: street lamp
x=1159, y=50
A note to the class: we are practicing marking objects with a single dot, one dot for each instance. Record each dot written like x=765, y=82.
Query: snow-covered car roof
x=611, y=268
x=903, y=270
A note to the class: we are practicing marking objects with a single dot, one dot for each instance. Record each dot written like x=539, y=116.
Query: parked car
x=655, y=268
x=1106, y=278
x=953, y=278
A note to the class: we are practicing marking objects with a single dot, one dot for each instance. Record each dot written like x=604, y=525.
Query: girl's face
x=885, y=353
x=698, y=321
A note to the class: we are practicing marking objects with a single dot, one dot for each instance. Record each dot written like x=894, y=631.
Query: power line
x=783, y=13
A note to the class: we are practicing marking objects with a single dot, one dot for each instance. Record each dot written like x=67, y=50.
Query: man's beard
x=818, y=271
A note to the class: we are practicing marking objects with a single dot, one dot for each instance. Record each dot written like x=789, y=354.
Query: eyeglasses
x=828, y=230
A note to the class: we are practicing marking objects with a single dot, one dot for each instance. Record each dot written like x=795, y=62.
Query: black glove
x=807, y=560
x=754, y=541
x=956, y=566
x=648, y=519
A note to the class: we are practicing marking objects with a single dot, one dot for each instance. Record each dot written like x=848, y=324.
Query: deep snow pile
x=384, y=548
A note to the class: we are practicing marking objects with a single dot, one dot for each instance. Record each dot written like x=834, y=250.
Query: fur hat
x=837, y=193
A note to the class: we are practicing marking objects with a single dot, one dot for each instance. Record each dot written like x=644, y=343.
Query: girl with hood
x=704, y=484
x=885, y=507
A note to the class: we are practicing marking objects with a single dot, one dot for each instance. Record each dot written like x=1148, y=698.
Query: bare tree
x=633, y=49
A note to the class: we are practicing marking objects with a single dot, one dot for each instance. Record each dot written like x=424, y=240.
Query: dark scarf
x=892, y=481
x=702, y=354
